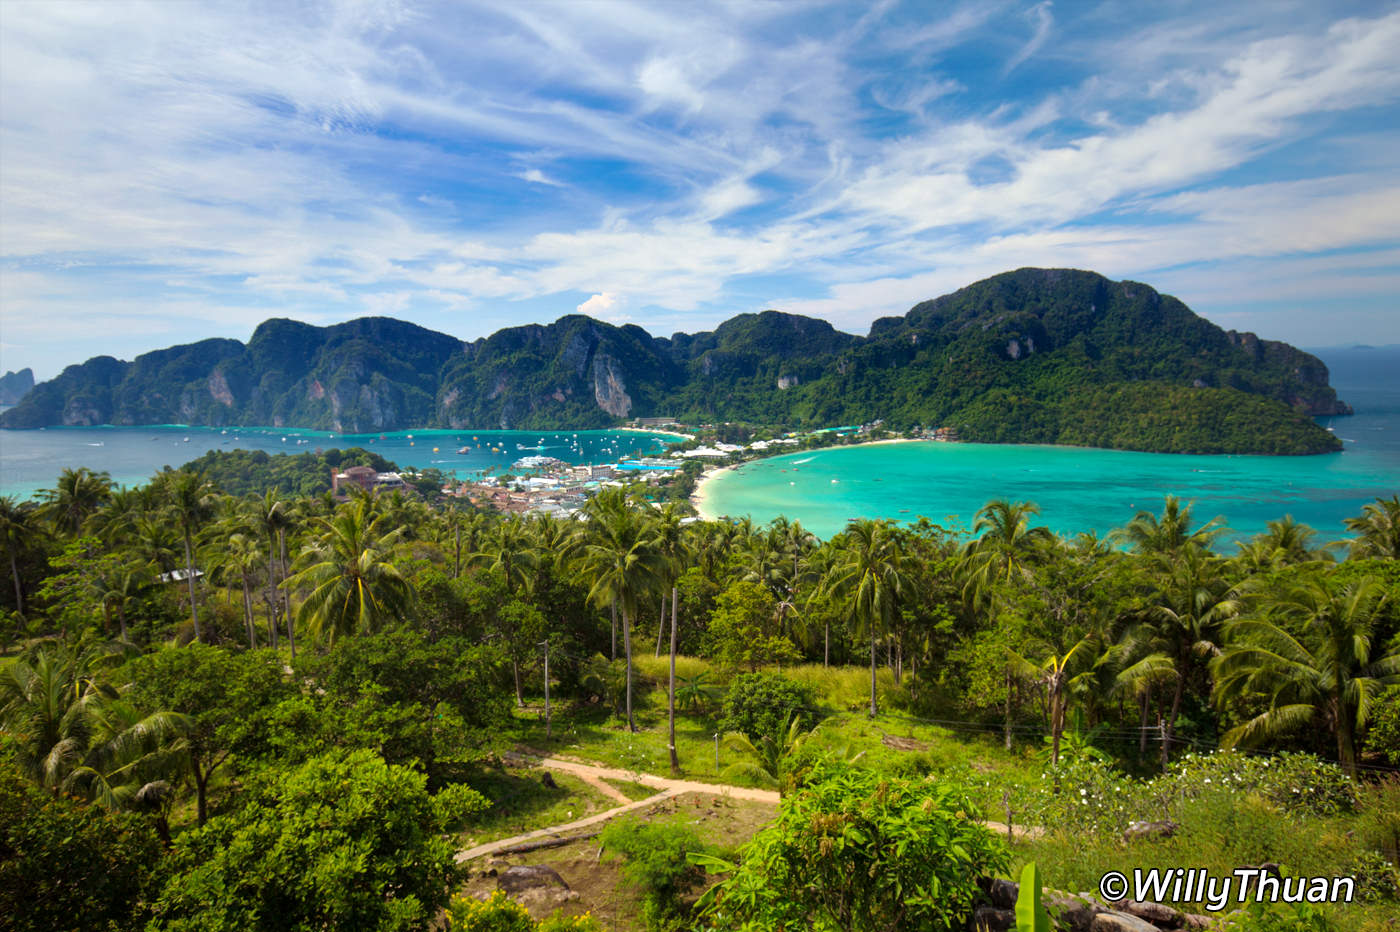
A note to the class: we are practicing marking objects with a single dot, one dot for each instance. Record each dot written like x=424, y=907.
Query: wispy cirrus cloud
x=469, y=166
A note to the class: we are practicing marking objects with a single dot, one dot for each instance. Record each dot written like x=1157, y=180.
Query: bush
x=656, y=856
x=1383, y=736
x=502, y=914
x=760, y=704
x=65, y=865
x=858, y=851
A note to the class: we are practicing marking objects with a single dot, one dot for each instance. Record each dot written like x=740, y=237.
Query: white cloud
x=604, y=305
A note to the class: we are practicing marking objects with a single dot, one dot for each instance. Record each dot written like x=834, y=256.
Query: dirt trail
x=666, y=787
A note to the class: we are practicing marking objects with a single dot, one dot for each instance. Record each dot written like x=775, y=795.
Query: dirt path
x=594, y=775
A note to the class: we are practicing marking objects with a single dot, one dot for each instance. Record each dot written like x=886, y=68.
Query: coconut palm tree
x=1169, y=534
x=78, y=494
x=773, y=757
x=189, y=503
x=1183, y=624
x=1057, y=670
x=350, y=583
x=622, y=559
x=271, y=516
x=19, y=525
x=1377, y=530
x=1309, y=652
x=868, y=575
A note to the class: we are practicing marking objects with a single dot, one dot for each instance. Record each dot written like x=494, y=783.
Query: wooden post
x=548, y=732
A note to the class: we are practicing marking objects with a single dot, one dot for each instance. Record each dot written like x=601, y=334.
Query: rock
x=991, y=919
x=548, y=781
x=1166, y=828
x=1114, y=921
x=1196, y=921
x=1071, y=912
x=1164, y=917
x=1001, y=892
x=524, y=877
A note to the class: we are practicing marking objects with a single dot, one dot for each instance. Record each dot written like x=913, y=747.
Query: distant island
x=1030, y=356
x=15, y=385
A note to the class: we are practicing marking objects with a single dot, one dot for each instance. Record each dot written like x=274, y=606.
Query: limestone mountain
x=1034, y=355
x=15, y=385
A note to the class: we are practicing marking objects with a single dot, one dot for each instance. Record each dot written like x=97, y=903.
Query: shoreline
x=699, y=497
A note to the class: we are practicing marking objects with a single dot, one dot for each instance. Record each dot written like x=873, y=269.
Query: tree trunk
x=614, y=629
x=671, y=693
x=287, y=596
x=1142, y=723
x=457, y=559
x=19, y=593
x=874, y=710
x=1057, y=720
x=519, y=696
x=248, y=614
x=826, y=643
x=1346, y=745
x=272, y=591
x=1006, y=729
x=194, y=602
x=201, y=787
x=627, y=647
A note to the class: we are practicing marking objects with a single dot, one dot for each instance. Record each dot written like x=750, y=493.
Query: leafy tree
x=743, y=629
x=69, y=866
x=226, y=697
x=499, y=913
x=343, y=841
x=760, y=704
x=857, y=851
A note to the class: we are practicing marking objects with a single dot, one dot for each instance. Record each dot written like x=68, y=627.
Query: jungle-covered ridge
x=276, y=712
x=1030, y=356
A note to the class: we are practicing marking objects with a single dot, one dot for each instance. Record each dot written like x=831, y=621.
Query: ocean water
x=32, y=459
x=1085, y=489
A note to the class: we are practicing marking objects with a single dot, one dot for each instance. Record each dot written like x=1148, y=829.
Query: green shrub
x=656, y=858
x=858, y=851
x=1383, y=736
x=502, y=914
x=760, y=704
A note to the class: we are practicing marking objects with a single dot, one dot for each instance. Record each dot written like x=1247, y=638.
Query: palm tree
x=1003, y=551
x=508, y=549
x=1285, y=543
x=18, y=528
x=350, y=584
x=1377, y=530
x=189, y=501
x=773, y=755
x=1169, y=534
x=118, y=590
x=1184, y=623
x=1055, y=670
x=242, y=555
x=1309, y=653
x=867, y=574
x=272, y=517
x=621, y=557
x=78, y=494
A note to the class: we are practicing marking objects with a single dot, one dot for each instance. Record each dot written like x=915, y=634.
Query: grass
x=522, y=803
x=631, y=789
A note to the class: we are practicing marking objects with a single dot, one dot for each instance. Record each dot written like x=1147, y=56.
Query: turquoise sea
x=32, y=459
x=1089, y=490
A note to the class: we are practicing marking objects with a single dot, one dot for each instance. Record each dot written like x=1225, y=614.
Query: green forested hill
x=1034, y=355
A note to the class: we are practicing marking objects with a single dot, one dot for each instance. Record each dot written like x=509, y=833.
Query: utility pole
x=716, y=752
x=548, y=732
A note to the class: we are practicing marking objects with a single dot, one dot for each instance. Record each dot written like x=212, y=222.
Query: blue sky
x=171, y=171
